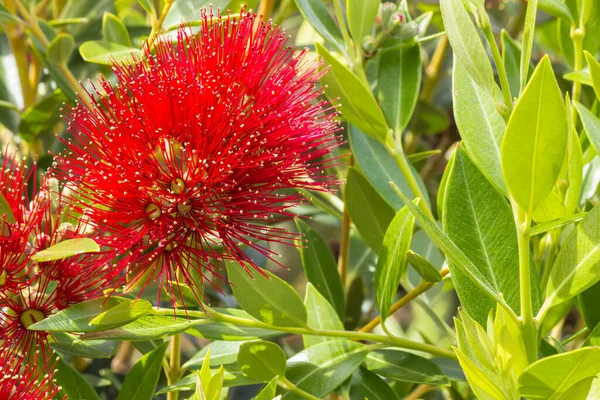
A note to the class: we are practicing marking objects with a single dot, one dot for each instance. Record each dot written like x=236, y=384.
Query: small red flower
x=17, y=224
x=198, y=147
x=18, y=313
x=21, y=380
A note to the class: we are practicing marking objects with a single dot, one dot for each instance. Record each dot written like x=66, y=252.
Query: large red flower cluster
x=195, y=153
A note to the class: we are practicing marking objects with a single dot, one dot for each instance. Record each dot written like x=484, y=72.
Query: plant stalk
x=410, y=296
x=156, y=27
x=286, y=384
x=265, y=8
x=174, y=365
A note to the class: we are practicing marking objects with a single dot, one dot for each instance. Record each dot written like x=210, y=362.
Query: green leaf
x=556, y=8
x=580, y=390
x=100, y=52
x=77, y=318
x=66, y=248
x=594, y=66
x=400, y=77
x=367, y=385
x=320, y=267
x=182, y=12
x=320, y=369
x=72, y=384
x=148, y=6
x=480, y=125
x=368, y=211
x=321, y=316
x=552, y=376
x=60, y=48
x=577, y=264
x=114, y=31
x=148, y=327
x=7, y=16
x=582, y=76
x=511, y=56
x=122, y=314
x=6, y=211
x=591, y=125
x=466, y=43
x=269, y=299
x=357, y=104
x=361, y=17
x=588, y=305
x=482, y=384
x=268, y=391
x=140, y=383
x=480, y=222
x=315, y=12
x=380, y=168
x=70, y=344
x=42, y=117
x=221, y=353
x=423, y=267
x=261, y=360
x=391, y=263
x=422, y=155
x=429, y=119
x=535, y=141
x=232, y=377
x=452, y=252
x=404, y=367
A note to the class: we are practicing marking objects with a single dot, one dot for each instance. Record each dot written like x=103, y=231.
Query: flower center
x=31, y=316
x=177, y=186
x=152, y=211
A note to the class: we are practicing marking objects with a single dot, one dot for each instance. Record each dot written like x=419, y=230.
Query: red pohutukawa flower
x=18, y=313
x=21, y=380
x=187, y=158
x=18, y=218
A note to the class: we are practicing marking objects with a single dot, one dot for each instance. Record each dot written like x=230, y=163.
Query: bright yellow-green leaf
x=262, y=360
x=535, y=141
x=594, y=66
x=361, y=17
x=67, y=248
x=60, y=48
x=100, y=52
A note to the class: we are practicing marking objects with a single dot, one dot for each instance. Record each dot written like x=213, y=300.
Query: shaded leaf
x=261, y=360
x=140, y=383
x=405, y=367
x=321, y=316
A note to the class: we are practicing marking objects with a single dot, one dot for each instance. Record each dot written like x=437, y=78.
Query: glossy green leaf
x=268, y=392
x=321, y=316
x=466, y=43
x=60, y=48
x=320, y=267
x=100, y=52
x=271, y=300
x=221, y=353
x=368, y=211
x=577, y=265
x=70, y=344
x=227, y=331
x=591, y=125
x=114, y=31
x=392, y=261
x=556, y=8
x=122, y=314
x=535, y=141
x=6, y=211
x=320, y=369
x=140, y=383
x=451, y=250
x=404, y=367
x=66, y=248
x=423, y=267
x=480, y=125
x=148, y=327
x=552, y=376
x=315, y=12
x=367, y=385
x=400, y=75
x=588, y=301
x=361, y=17
x=380, y=168
x=594, y=67
x=182, y=12
x=261, y=360
x=72, y=384
x=232, y=377
x=357, y=104
x=77, y=318
x=41, y=118
x=479, y=220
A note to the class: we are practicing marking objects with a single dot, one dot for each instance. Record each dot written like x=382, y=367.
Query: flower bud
x=369, y=45
x=385, y=12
